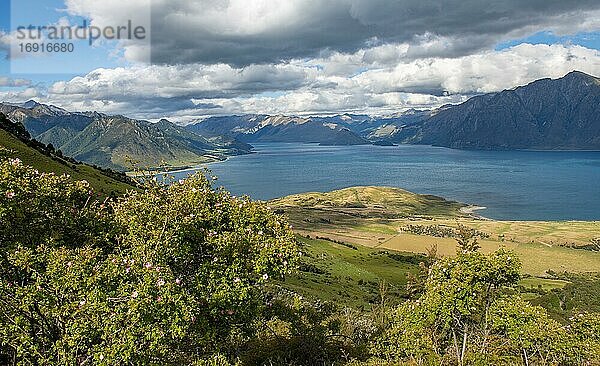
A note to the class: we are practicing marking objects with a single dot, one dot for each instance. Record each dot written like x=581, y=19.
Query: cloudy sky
x=215, y=57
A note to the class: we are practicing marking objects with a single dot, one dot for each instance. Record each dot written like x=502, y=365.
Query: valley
x=547, y=114
x=299, y=183
x=356, y=233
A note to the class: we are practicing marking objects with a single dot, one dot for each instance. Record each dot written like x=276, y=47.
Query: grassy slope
x=350, y=276
x=101, y=183
x=363, y=206
x=370, y=201
x=581, y=293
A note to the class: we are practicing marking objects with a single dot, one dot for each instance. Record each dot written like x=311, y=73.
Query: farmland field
x=350, y=231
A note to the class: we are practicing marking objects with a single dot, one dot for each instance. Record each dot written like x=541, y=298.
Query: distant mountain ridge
x=545, y=114
x=119, y=142
x=549, y=114
x=264, y=128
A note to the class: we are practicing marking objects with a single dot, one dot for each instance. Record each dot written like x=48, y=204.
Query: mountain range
x=119, y=142
x=263, y=128
x=549, y=114
x=15, y=138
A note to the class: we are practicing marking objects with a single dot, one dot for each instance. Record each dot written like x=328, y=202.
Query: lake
x=513, y=185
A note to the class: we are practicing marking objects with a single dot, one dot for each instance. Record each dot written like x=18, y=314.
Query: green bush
x=163, y=276
x=297, y=331
x=468, y=314
x=185, y=274
x=38, y=208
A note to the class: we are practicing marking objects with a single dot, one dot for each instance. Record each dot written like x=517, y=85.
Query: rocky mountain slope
x=262, y=128
x=545, y=114
x=119, y=142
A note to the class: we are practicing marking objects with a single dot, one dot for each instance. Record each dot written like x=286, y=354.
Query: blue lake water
x=513, y=185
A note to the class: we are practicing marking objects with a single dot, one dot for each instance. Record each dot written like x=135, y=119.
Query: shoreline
x=174, y=169
x=135, y=174
x=290, y=182
x=472, y=211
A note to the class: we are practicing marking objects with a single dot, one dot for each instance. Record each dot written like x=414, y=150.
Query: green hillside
x=121, y=143
x=349, y=275
x=363, y=202
x=101, y=182
x=364, y=197
x=395, y=219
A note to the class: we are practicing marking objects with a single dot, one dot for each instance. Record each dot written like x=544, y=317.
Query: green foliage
x=187, y=274
x=468, y=314
x=443, y=231
x=297, y=331
x=585, y=330
x=455, y=304
x=215, y=360
x=38, y=208
x=529, y=332
x=582, y=293
x=416, y=282
x=163, y=276
x=466, y=238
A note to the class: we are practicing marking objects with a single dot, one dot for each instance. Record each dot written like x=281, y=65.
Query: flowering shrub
x=40, y=208
x=161, y=276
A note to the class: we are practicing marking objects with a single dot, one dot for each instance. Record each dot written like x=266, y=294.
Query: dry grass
x=374, y=217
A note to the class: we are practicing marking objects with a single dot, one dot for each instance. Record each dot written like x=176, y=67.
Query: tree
x=469, y=313
x=416, y=282
x=529, y=332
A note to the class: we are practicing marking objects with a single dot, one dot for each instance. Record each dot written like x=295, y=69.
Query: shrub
x=163, y=276
x=297, y=331
x=38, y=208
x=468, y=314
